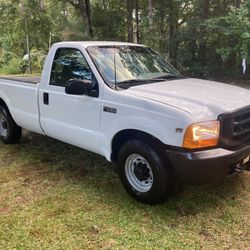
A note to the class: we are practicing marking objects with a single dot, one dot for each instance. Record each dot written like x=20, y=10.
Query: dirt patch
x=4, y=210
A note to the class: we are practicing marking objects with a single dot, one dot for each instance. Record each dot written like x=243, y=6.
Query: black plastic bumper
x=209, y=165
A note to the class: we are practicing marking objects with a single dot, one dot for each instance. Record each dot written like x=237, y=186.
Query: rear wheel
x=144, y=173
x=10, y=132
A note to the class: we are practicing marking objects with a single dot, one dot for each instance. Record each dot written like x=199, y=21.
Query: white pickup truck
x=126, y=103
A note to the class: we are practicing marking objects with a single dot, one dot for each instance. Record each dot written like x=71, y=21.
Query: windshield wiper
x=166, y=77
x=137, y=81
x=134, y=82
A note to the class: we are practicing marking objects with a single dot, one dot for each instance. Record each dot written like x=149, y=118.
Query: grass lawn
x=56, y=196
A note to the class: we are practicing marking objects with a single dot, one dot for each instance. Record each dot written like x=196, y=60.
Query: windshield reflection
x=121, y=65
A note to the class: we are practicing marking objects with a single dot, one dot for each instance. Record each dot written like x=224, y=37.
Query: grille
x=235, y=129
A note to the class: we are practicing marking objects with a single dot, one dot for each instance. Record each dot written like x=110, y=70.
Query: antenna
x=115, y=68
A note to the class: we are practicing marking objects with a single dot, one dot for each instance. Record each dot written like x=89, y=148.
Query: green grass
x=56, y=196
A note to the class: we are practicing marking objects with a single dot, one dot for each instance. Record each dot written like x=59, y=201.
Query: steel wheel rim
x=4, y=130
x=139, y=173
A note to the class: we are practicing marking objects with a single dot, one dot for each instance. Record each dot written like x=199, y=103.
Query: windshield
x=126, y=66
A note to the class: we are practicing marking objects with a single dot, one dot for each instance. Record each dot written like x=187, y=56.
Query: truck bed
x=20, y=94
x=27, y=79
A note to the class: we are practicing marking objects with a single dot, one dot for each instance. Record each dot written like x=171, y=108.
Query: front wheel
x=144, y=173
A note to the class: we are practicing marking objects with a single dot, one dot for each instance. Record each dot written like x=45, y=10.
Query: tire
x=10, y=132
x=144, y=173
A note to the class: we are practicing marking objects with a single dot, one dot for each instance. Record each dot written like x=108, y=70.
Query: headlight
x=201, y=135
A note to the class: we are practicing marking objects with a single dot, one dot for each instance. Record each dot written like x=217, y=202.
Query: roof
x=86, y=44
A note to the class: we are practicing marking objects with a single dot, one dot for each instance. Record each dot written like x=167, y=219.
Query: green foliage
x=37, y=60
x=232, y=33
x=6, y=57
x=108, y=21
x=224, y=34
x=204, y=38
x=11, y=64
x=10, y=27
x=39, y=24
x=13, y=67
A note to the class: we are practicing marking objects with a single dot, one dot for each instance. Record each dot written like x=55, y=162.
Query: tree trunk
x=88, y=18
x=173, y=27
x=237, y=3
x=150, y=12
x=85, y=10
x=137, y=21
x=130, y=28
x=204, y=14
x=42, y=4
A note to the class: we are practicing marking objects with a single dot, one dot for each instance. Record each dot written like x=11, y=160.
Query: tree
x=108, y=20
x=84, y=8
x=150, y=12
x=137, y=21
x=232, y=43
x=129, y=17
x=173, y=30
x=204, y=14
x=201, y=37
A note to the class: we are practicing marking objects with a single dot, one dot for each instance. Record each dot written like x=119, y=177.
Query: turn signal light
x=202, y=135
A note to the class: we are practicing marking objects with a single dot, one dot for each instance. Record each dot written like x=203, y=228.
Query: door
x=70, y=118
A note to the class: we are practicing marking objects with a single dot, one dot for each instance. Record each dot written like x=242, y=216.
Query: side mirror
x=78, y=87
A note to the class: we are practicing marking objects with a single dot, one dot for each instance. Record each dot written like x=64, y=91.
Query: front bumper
x=208, y=165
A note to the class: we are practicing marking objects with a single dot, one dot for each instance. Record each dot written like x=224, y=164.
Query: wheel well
x=125, y=135
x=2, y=103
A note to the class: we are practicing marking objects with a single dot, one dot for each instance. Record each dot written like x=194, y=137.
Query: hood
x=202, y=99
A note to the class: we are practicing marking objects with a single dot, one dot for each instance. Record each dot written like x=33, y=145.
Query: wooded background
x=202, y=38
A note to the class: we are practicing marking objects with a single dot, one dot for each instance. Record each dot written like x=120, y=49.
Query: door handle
x=46, y=98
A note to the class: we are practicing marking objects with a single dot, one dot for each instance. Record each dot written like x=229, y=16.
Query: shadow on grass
x=57, y=162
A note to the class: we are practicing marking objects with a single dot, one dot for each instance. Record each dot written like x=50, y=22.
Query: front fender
x=165, y=130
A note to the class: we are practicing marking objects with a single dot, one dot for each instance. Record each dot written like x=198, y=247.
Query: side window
x=69, y=64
